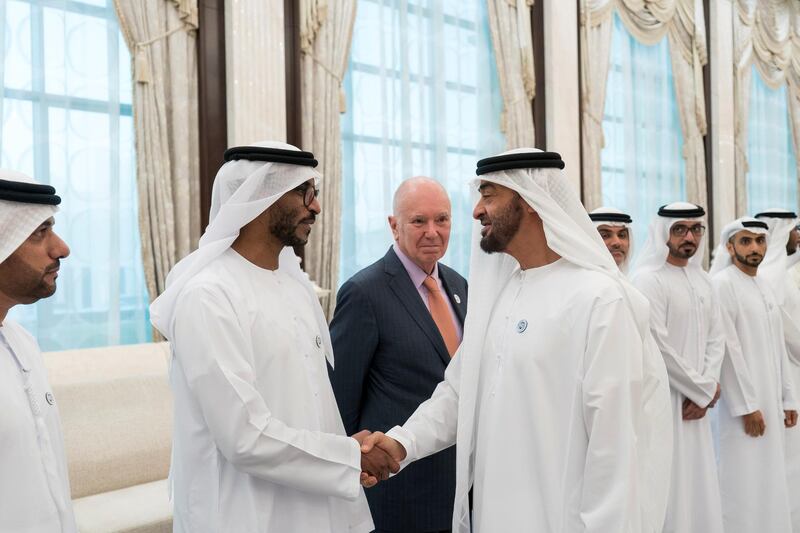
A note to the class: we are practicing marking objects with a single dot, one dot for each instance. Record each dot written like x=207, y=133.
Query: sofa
x=116, y=414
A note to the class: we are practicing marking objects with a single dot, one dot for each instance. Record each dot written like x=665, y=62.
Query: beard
x=26, y=284
x=792, y=246
x=503, y=228
x=286, y=226
x=681, y=252
x=752, y=260
x=623, y=253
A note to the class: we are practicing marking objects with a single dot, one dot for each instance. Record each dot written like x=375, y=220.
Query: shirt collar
x=416, y=274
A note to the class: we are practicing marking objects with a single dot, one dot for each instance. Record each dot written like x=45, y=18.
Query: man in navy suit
x=396, y=326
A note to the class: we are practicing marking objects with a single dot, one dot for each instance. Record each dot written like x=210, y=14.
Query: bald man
x=396, y=326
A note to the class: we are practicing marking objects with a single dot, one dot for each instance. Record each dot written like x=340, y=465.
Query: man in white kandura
x=34, y=485
x=758, y=399
x=259, y=446
x=782, y=257
x=614, y=228
x=685, y=322
x=544, y=398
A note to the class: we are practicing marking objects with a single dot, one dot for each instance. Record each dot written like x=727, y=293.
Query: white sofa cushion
x=140, y=509
x=116, y=413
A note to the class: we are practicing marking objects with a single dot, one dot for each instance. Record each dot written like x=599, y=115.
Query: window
x=67, y=121
x=772, y=170
x=422, y=99
x=642, y=162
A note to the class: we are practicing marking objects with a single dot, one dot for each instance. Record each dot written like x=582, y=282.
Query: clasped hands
x=692, y=411
x=380, y=456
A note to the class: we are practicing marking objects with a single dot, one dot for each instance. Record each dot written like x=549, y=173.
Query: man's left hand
x=790, y=418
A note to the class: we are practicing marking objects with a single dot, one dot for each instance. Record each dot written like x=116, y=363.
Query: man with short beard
x=34, y=485
x=759, y=398
x=686, y=324
x=258, y=444
x=544, y=399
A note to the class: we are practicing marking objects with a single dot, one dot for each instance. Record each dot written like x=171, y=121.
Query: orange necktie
x=441, y=315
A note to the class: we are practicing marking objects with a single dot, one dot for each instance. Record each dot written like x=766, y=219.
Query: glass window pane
x=76, y=61
x=124, y=62
x=17, y=140
x=18, y=71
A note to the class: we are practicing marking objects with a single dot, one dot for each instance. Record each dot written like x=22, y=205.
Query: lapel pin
x=457, y=298
x=522, y=325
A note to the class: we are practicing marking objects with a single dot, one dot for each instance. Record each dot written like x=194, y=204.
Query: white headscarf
x=571, y=234
x=19, y=219
x=777, y=262
x=242, y=190
x=722, y=259
x=655, y=251
x=625, y=266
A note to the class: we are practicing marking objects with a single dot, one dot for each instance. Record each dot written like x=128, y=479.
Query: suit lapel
x=458, y=301
x=401, y=285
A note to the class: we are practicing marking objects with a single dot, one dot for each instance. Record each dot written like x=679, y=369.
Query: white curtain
x=767, y=46
x=325, y=34
x=423, y=98
x=512, y=36
x=681, y=22
x=161, y=35
x=67, y=120
x=641, y=163
x=772, y=165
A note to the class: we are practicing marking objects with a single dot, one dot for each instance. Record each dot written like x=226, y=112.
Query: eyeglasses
x=678, y=230
x=308, y=191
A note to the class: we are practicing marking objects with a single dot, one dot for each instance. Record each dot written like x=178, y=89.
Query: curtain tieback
x=337, y=77
x=141, y=63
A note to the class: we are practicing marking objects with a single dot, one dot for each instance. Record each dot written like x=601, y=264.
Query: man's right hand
x=385, y=443
x=376, y=463
x=754, y=424
x=378, y=442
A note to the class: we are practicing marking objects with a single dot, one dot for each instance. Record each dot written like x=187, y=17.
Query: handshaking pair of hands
x=380, y=456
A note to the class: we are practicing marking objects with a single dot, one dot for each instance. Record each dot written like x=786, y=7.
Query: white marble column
x=561, y=84
x=721, y=13
x=254, y=63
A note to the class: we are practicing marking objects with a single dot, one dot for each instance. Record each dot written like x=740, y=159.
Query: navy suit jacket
x=389, y=357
